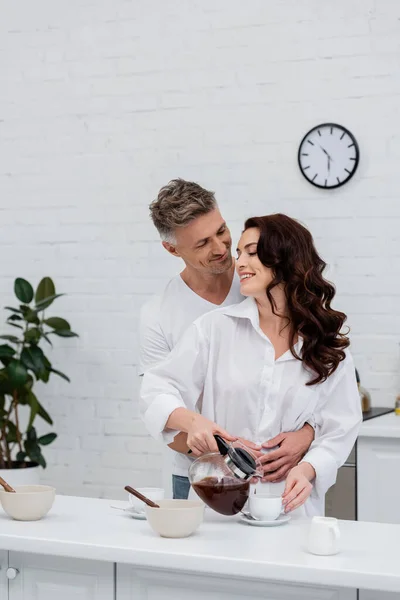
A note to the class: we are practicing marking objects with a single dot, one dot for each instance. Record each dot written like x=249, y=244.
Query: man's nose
x=219, y=247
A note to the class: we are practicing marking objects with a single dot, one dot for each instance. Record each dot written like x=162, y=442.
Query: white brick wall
x=103, y=102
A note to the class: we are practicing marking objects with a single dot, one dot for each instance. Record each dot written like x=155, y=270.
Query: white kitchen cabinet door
x=369, y=595
x=3, y=576
x=147, y=584
x=53, y=578
x=378, y=481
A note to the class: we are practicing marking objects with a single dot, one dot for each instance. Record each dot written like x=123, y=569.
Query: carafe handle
x=223, y=447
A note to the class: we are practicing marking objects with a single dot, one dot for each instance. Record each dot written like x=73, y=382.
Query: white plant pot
x=25, y=476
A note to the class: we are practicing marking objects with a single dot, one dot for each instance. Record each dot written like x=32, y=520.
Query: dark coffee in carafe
x=226, y=496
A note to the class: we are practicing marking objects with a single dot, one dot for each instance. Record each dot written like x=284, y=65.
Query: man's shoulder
x=158, y=303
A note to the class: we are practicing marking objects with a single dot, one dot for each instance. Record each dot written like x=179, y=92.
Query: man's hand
x=292, y=447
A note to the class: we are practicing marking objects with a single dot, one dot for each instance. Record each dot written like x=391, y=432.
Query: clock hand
x=323, y=150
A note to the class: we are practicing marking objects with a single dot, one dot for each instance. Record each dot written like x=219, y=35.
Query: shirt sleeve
x=176, y=382
x=338, y=421
x=153, y=346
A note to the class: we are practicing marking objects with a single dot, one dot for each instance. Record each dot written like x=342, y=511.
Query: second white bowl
x=175, y=518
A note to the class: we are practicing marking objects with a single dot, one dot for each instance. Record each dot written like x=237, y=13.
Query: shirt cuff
x=325, y=469
x=157, y=414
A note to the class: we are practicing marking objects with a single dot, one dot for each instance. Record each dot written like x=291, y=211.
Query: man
x=191, y=227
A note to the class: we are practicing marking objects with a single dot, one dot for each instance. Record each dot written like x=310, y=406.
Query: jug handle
x=223, y=447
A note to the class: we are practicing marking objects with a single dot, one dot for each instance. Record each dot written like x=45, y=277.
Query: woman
x=269, y=364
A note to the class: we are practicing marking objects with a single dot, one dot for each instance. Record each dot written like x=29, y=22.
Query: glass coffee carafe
x=222, y=479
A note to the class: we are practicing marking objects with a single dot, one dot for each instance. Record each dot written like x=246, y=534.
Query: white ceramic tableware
x=265, y=507
x=281, y=520
x=152, y=493
x=29, y=503
x=175, y=518
x=324, y=536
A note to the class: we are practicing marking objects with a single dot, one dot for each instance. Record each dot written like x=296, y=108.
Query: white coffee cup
x=266, y=507
x=324, y=536
x=153, y=494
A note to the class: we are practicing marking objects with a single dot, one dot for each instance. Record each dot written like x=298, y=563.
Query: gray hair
x=177, y=204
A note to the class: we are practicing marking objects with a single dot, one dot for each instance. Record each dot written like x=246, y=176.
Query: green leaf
x=31, y=317
x=64, y=333
x=48, y=340
x=57, y=323
x=61, y=375
x=15, y=325
x=23, y=290
x=47, y=301
x=10, y=338
x=20, y=456
x=6, y=350
x=17, y=373
x=14, y=310
x=6, y=354
x=45, y=289
x=29, y=383
x=34, y=359
x=33, y=335
x=32, y=449
x=40, y=460
x=14, y=318
x=45, y=415
x=34, y=404
x=45, y=440
x=31, y=434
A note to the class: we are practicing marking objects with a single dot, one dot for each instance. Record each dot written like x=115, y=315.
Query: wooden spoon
x=134, y=492
x=5, y=485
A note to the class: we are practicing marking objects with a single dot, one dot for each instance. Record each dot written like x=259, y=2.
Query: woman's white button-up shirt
x=224, y=367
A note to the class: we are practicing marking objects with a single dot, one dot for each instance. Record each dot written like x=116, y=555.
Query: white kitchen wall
x=101, y=103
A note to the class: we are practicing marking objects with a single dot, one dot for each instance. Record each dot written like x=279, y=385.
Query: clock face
x=328, y=155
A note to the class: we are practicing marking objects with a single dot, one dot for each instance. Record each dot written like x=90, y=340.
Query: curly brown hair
x=287, y=248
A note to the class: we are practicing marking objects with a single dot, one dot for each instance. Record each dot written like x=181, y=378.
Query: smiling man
x=192, y=228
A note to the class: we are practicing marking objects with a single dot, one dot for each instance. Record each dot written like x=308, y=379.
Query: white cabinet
x=36, y=577
x=3, y=577
x=378, y=479
x=148, y=584
x=370, y=595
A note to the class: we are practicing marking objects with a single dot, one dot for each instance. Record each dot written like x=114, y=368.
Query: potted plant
x=22, y=363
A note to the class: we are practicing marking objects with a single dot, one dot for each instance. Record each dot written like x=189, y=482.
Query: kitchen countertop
x=89, y=528
x=385, y=426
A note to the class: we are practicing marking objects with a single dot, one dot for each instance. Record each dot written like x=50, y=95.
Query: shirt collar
x=247, y=309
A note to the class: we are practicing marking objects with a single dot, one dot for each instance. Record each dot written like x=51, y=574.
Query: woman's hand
x=201, y=433
x=298, y=486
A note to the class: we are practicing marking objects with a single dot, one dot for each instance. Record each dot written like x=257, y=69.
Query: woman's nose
x=240, y=262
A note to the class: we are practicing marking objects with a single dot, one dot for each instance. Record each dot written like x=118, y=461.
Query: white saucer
x=137, y=515
x=274, y=523
x=130, y=511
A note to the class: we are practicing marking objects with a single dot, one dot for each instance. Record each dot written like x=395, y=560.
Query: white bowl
x=175, y=518
x=29, y=503
x=151, y=493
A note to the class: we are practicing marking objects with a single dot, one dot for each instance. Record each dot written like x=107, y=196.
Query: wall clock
x=328, y=155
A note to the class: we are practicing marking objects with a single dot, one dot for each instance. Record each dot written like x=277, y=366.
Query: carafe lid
x=242, y=462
